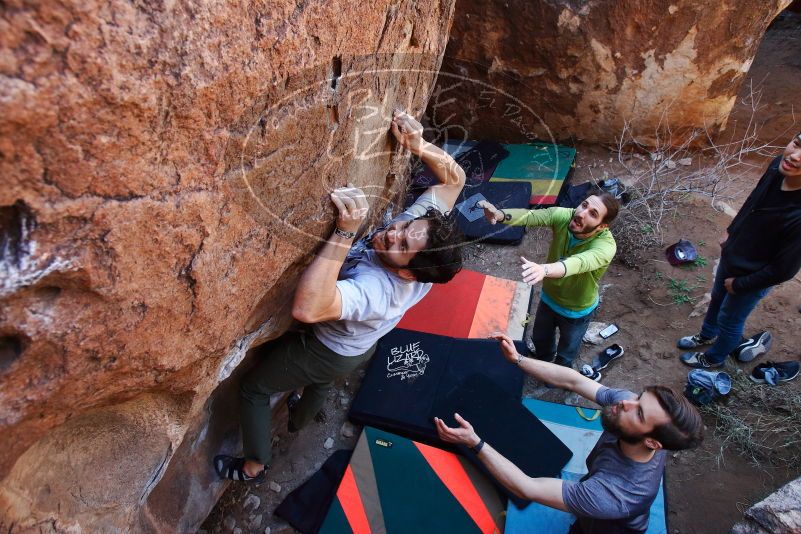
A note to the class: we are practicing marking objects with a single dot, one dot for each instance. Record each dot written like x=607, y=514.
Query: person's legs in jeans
x=571, y=332
x=543, y=333
x=294, y=361
x=731, y=317
x=709, y=329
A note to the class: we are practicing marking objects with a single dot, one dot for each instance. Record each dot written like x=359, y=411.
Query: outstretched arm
x=547, y=491
x=317, y=298
x=451, y=177
x=533, y=273
x=556, y=375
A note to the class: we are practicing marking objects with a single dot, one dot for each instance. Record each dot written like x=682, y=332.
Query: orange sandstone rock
x=165, y=169
x=587, y=70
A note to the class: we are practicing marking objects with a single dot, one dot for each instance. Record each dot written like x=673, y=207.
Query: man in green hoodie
x=581, y=250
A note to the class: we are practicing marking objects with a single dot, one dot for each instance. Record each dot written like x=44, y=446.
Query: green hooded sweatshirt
x=585, y=263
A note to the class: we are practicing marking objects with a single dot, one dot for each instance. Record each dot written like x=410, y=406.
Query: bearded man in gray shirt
x=625, y=467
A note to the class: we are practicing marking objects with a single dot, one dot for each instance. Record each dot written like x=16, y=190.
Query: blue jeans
x=726, y=315
x=543, y=335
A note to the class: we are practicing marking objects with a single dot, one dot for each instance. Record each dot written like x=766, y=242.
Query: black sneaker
x=774, y=372
x=293, y=399
x=759, y=344
x=744, y=342
x=610, y=353
x=291, y=402
x=590, y=373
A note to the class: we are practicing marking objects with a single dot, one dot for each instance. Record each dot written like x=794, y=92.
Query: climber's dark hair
x=441, y=258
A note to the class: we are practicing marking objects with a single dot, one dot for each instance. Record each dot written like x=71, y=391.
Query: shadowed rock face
x=165, y=169
x=586, y=69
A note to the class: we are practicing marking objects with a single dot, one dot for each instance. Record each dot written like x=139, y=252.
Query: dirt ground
x=708, y=488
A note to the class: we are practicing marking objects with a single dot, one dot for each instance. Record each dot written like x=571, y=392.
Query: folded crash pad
x=409, y=370
x=580, y=435
x=414, y=377
x=544, y=165
x=396, y=485
x=472, y=305
x=306, y=507
x=573, y=195
x=504, y=195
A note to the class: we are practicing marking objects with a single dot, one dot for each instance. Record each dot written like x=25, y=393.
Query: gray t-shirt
x=616, y=494
x=374, y=299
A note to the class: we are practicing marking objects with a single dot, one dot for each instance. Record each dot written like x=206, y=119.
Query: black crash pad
x=505, y=423
x=409, y=370
x=414, y=376
x=504, y=195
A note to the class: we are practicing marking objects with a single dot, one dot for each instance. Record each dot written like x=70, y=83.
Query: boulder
x=166, y=169
x=518, y=70
x=778, y=513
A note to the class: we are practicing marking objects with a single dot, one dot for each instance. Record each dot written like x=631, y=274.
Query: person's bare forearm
x=316, y=291
x=556, y=375
x=316, y=297
x=444, y=167
x=547, y=491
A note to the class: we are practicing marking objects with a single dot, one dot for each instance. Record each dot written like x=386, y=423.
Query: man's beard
x=584, y=231
x=611, y=424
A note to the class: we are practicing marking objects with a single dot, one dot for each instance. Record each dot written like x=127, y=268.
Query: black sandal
x=234, y=469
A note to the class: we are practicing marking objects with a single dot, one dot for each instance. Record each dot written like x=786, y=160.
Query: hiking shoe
x=744, y=342
x=693, y=342
x=590, y=373
x=697, y=360
x=291, y=401
x=775, y=372
x=612, y=352
x=759, y=344
x=233, y=468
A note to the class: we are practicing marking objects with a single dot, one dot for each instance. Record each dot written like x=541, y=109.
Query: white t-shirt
x=374, y=298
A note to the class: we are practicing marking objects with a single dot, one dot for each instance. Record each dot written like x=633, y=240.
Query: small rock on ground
x=252, y=502
x=229, y=523
x=275, y=486
x=347, y=430
x=254, y=522
x=329, y=443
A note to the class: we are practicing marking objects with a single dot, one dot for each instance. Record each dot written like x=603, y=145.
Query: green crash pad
x=544, y=165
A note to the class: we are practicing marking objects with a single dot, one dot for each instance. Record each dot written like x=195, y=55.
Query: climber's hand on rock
x=408, y=131
x=352, y=207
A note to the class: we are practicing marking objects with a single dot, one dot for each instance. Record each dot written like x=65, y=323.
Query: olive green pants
x=296, y=360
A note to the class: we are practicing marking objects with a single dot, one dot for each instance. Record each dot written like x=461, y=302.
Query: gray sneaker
x=693, y=342
x=759, y=344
